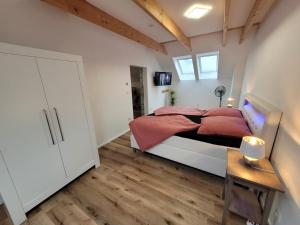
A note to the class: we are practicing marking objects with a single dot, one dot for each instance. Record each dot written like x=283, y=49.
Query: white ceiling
x=130, y=13
x=133, y=15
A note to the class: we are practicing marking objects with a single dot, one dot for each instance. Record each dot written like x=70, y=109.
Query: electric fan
x=220, y=92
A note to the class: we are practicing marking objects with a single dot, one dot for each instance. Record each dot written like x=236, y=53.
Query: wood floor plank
x=125, y=136
x=106, y=208
x=178, y=170
x=133, y=205
x=170, y=207
x=40, y=218
x=174, y=176
x=175, y=190
x=4, y=218
x=136, y=189
x=122, y=149
x=122, y=142
x=66, y=213
x=3, y=214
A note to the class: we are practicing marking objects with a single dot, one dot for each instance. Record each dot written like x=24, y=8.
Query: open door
x=138, y=86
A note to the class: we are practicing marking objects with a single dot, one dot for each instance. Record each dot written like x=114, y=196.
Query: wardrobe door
x=27, y=139
x=64, y=94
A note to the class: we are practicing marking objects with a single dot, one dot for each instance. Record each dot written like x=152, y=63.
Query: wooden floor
x=4, y=218
x=135, y=188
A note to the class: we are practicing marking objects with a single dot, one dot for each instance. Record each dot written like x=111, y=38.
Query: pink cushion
x=223, y=112
x=178, y=110
x=224, y=126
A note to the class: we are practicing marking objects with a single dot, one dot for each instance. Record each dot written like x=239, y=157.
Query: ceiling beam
x=87, y=11
x=153, y=8
x=205, y=34
x=257, y=15
x=226, y=21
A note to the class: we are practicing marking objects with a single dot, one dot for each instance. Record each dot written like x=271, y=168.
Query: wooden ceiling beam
x=153, y=8
x=205, y=34
x=87, y=11
x=257, y=15
x=226, y=21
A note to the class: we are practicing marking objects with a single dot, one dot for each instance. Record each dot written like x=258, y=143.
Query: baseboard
x=113, y=138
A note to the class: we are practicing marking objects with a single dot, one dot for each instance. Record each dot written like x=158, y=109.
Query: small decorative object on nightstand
x=253, y=149
x=230, y=102
x=244, y=185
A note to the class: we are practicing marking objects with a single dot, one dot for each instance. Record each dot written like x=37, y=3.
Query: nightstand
x=243, y=186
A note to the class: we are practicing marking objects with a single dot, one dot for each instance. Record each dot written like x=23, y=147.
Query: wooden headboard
x=263, y=119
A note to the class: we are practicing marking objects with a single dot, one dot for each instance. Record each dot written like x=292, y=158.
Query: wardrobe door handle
x=59, y=124
x=49, y=126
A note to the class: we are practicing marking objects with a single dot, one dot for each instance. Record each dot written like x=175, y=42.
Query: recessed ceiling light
x=197, y=11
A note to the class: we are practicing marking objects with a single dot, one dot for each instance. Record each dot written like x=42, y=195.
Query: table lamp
x=230, y=102
x=253, y=149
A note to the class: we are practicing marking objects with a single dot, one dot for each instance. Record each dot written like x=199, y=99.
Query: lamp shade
x=230, y=102
x=253, y=148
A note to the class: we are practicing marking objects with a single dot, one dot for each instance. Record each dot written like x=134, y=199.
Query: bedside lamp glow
x=253, y=149
x=230, y=102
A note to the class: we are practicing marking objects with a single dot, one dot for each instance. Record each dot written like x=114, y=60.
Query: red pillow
x=223, y=112
x=224, y=126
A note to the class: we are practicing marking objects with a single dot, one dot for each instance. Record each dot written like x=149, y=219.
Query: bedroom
x=265, y=65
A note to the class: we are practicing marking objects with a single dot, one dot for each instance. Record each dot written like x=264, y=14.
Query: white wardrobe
x=46, y=130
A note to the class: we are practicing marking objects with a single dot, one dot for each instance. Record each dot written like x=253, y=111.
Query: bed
x=263, y=120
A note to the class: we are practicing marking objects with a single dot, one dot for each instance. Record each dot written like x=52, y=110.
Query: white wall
x=232, y=60
x=107, y=57
x=273, y=73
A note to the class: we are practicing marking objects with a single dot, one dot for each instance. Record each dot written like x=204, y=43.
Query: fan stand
x=221, y=98
x=219, y=92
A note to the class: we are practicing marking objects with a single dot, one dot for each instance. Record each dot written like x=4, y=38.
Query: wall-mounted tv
x=162, y=78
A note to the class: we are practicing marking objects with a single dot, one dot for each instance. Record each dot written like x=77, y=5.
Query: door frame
x=145, y=87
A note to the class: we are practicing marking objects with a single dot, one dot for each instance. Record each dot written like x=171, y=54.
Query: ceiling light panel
x=197, y=11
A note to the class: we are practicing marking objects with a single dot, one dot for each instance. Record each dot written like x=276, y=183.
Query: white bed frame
x=263, y=120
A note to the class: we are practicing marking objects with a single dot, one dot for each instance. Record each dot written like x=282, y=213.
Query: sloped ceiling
x=213, y=21
x=130, y=13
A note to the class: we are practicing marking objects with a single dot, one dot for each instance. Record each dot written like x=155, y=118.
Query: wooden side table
x=243, y=184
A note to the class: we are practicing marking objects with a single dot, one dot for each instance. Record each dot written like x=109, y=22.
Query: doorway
x=138, y=76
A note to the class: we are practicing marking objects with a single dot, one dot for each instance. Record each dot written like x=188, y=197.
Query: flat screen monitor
x=162, y=78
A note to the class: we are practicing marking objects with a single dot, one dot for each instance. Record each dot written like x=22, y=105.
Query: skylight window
x=208, y=65
x=185, y=68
